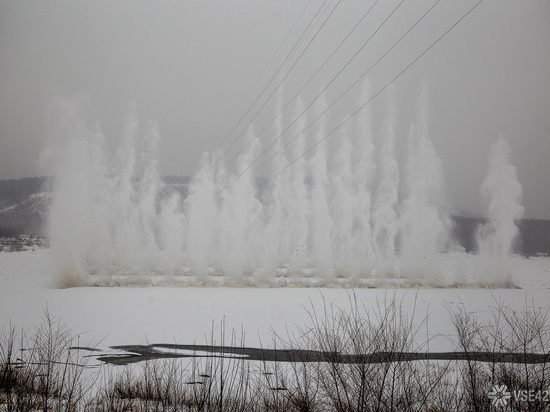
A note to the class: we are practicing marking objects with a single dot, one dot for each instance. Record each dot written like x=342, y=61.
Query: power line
x=319, y=17
x=310, y=79
x=279, y=84
x=368, y=101
x=260, y=76
x=327, y=86
x=277, y=87
x=336, y=101
x=306, y=30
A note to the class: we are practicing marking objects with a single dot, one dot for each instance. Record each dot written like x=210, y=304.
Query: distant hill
x=24, y=205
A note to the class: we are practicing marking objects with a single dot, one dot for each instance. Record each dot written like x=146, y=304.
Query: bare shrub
x=364, y=361
x=509, y=339
x=42, y=371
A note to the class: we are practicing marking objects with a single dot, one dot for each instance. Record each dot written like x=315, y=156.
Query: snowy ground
x=186, y=315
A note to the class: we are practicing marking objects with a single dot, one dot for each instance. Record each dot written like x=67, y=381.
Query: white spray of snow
x=423, y=230
x=239, y=219
x=363, y=168
x=341, y=205
x=321, y=218
x=172, y=234
x=200, y=207
x=502, y=192
x=384, y=213
x=278, y=227
x=299, y=205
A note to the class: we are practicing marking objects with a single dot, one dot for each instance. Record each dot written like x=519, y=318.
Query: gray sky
x=189, y=63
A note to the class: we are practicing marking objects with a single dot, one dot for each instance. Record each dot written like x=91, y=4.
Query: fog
x=188, y=65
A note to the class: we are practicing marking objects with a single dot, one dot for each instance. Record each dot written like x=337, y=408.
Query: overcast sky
x=187, y=64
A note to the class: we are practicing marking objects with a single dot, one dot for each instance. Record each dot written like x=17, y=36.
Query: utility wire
x=278, y=85
x=327, y=86
x=304, y=33
x=310, y=79
x=319, y=17
x=372, y=98
x=259, y=77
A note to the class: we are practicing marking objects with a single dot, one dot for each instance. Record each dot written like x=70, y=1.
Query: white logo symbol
x=499, y=395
